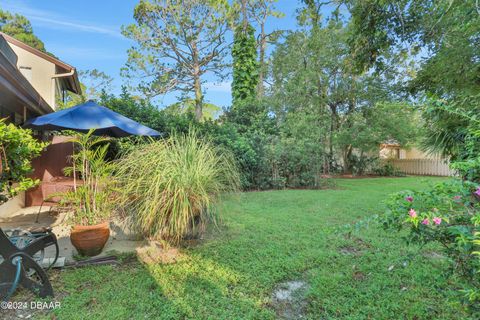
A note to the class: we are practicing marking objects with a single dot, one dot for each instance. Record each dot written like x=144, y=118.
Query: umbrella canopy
x=90, y=115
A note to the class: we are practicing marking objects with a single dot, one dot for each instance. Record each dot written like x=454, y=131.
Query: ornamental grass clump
x=170, y=186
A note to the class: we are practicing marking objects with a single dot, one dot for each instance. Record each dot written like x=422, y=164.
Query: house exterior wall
x=30, y=81
x=415, y=153
x=48, y=167
x=19, y=100
x=397, y=152
x=38, y=72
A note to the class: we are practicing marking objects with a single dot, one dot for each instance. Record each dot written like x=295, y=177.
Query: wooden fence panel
x=427, y=167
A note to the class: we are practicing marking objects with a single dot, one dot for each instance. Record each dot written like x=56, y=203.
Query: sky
x=87, y=35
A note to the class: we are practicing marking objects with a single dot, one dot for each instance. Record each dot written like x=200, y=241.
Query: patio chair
x=51, y=191
x=21, y=255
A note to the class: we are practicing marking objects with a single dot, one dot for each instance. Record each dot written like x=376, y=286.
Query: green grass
x=270, y=237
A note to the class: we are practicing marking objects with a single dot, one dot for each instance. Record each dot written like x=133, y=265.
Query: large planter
x=90, y=240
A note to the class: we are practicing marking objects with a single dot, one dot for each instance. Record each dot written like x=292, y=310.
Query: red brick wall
x=49, y=166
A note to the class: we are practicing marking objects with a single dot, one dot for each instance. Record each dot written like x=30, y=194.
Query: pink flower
x=457, y=198
x=437, y=220
x=412, y=213
x=426, y=221
x=478, y=191
x=410, y=198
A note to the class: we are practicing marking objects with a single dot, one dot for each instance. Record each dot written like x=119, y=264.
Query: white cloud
x=76, y=26
x=225, y=86
x=54, y=21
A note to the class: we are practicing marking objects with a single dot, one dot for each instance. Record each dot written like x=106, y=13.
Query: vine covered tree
x=259, y=11
x=244, y=54
x=178, y=42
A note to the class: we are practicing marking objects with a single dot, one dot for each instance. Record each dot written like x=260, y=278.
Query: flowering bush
x=448, y=214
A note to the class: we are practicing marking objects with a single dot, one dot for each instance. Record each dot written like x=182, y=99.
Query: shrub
x=171, y=185
x=447, y=214
x=388, y=170
x=17, y=149
x=362, y=164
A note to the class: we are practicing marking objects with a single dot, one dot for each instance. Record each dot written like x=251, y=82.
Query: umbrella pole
x=74, y=172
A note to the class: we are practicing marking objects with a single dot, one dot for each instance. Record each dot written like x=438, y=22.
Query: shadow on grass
x=190, y=289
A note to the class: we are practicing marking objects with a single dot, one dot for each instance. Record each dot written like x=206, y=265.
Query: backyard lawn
x=266, y=239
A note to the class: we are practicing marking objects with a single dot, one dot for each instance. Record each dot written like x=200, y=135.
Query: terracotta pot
x=90, y=240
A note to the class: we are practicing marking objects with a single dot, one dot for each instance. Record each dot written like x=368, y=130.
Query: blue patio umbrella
x=87, y=116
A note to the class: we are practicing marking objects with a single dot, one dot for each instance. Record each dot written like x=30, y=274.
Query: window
x=18, y=118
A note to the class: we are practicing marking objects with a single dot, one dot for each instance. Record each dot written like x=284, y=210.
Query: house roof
x=15, y=87
x=70, y=83
x=390, y=145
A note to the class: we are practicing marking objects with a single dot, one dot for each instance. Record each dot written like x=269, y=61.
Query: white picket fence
x=424, y=167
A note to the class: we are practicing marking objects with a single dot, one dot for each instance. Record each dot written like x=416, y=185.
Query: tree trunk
x=333, y=121
x=198, y=98
x=245, y=15
x=197, y=83
x=261, y=64
x=347, y=166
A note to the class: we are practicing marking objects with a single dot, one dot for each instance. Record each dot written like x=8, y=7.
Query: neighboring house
x=414, y=161
x=31, y=81
x=392, y=150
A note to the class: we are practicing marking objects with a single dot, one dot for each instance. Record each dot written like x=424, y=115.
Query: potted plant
x=91, y=198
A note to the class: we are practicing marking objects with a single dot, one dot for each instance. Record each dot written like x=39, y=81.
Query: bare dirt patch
x=155, y=252
x=433, y=255
x=288, y=299
x=355, y=248
x=350, y=250
x=359, y=276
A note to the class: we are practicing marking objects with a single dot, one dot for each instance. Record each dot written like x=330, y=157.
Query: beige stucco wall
x=415, y=153
x=42, y=72
x=401, y=153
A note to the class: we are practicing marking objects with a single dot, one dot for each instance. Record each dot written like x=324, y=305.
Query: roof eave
x=22, y=88
x=76, y=82
x=76, y=88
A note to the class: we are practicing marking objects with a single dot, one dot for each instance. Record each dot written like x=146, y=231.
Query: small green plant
x=92, y=198
x=170, y=186
x=17, y=149
x=388, y=170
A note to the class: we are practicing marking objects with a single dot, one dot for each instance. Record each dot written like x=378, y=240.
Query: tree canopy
x=443, y=39
x=177, y=44
x=20, y=28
